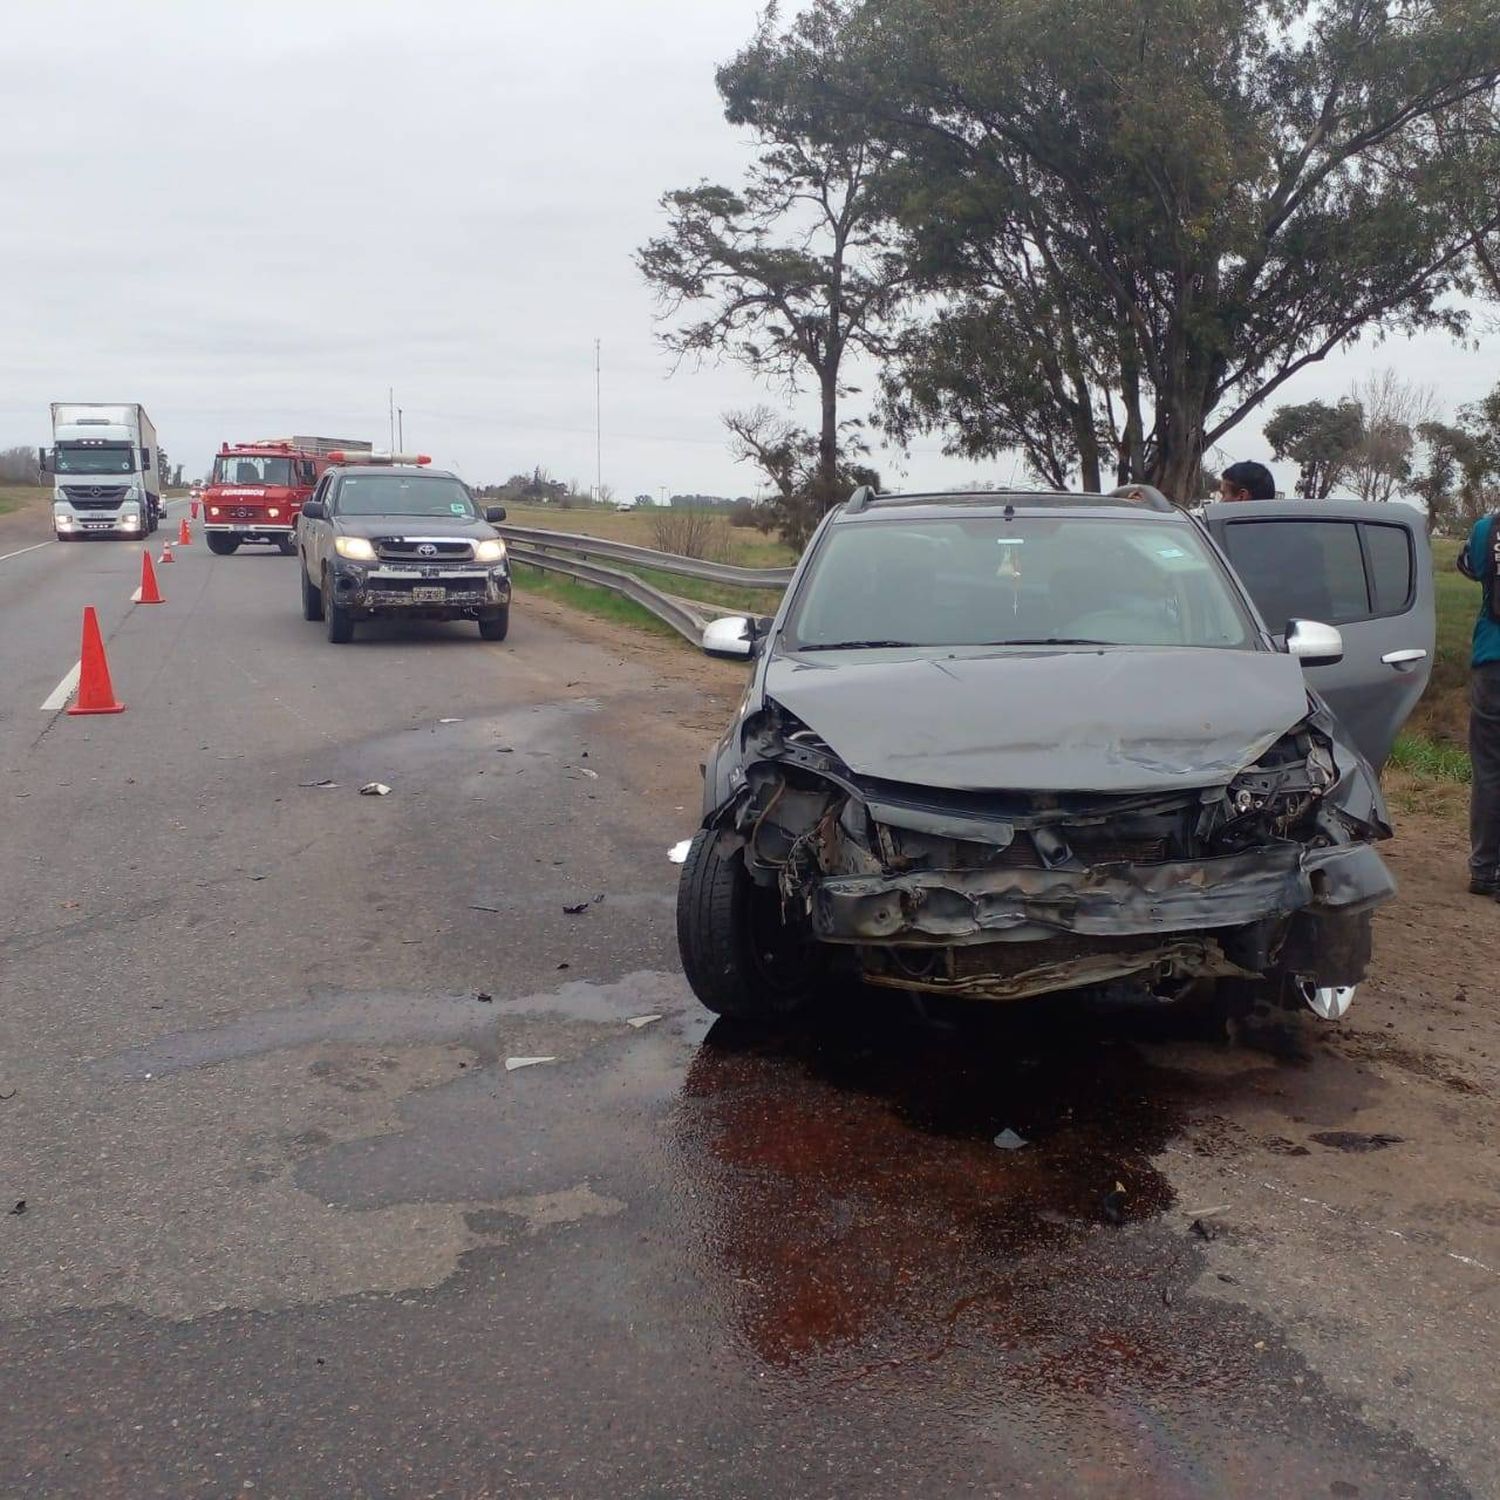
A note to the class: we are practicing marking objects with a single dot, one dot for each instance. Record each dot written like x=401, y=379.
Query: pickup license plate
x=428, y=596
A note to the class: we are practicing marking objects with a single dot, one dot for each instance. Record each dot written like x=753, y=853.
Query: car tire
x=66, y=536
x=739, y=958
x=312, y=598
x=337, y=620
x=221, y=545
x=287, y=546
x=497, y=627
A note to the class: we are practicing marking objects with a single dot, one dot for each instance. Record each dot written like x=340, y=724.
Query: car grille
x=414, y=549
x=94, y=496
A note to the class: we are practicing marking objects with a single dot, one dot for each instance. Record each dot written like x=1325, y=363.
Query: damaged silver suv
x=1004, y=745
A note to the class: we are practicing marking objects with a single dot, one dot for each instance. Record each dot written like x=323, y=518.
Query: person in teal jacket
x=1478, y=561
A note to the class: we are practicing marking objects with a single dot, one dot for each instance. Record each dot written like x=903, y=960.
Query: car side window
x=324, y=491
x=1392, y=567
x=1314, y=570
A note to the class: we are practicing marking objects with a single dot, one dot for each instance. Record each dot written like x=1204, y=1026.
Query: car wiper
x=853, y=645
x=1053, y=640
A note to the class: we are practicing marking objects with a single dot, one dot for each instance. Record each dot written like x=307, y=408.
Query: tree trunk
x=828, y=433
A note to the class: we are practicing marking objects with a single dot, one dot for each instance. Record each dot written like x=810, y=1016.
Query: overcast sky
x=254, y=216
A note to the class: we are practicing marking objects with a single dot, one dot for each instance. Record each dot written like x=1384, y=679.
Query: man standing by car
x=1479, y=560
x=1247, y=481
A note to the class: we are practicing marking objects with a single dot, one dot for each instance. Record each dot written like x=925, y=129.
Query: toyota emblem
x=426, y=550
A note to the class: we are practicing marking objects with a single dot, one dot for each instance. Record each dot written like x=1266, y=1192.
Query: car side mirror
x=1313, y=643
x=43, y=461
x=494, y=514
x=315, y=510
x=733, y=636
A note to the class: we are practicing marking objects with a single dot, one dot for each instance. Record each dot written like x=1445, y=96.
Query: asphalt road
x=295, y=1224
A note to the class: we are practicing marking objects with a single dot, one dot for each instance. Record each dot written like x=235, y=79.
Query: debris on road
x=678, y=853
x=1008, y=1140
x=483, y=997
x=565, y=966
x=504, y=750
x=20, y=1207
x=578, y=911
x=1202, y=1230
x=1114, y=1204
x=325, y=783
x=512, y=1063
x=494, y=909
x=639, y=1021
x=375, y=789
x=450, y=721
x=1357, y=1140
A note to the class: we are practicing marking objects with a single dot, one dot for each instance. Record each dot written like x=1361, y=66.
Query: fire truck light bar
x=339, y=456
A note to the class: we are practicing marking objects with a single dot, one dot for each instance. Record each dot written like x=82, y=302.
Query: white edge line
x=64, y=690
x=35, y=547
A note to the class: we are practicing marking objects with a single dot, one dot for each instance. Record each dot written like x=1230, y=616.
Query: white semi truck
x=107, y=470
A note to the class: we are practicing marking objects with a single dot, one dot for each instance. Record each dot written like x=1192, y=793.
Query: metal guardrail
x=687, y=618
x=572, y=544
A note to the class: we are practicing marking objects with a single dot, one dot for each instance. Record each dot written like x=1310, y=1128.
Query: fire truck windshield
x=93, y=460
x=376, y=494
x=246, y=468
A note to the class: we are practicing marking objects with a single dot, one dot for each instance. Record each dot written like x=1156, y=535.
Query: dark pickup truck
x=397, y=540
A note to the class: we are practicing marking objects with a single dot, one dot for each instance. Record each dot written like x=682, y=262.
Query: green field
x=15, y=497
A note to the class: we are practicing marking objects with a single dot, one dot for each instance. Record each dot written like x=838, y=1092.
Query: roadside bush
x=692, y=533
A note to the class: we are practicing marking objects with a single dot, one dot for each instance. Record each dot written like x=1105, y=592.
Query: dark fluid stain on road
x=857, y=1171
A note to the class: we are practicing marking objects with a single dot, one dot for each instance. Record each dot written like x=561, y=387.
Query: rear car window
x=1334, y=571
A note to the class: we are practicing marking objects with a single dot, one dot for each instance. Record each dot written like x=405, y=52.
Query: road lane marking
x=6, y=556
x=64, y=690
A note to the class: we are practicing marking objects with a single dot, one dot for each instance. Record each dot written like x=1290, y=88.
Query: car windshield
x=404, y=495
x=1032, y=580
x=246, y=468
x=118, y=460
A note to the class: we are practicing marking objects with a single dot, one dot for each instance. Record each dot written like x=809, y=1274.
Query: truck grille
x=94, y=496
x=415, y=549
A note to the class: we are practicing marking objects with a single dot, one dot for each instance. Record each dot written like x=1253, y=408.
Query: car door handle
x=1404, y=658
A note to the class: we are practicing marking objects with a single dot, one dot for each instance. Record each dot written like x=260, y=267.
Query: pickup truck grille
x=416, y=549
x=94, y=496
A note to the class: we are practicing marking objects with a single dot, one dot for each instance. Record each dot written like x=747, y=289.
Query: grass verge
x=1436, y=760
x=605, y=604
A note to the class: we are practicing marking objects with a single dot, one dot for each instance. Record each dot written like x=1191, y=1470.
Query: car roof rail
x=1147, y=492
x=859, y=499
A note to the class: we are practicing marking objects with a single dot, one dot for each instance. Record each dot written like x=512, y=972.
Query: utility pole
x=598, y=432
x=391, y=392
x=400, y=430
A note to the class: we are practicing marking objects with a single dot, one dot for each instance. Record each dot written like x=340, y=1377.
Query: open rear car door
x=1360, y=565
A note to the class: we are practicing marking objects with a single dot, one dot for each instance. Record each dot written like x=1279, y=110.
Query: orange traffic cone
x=96, y=694
x=166, y=552
x=183, y=539
x=148, y=593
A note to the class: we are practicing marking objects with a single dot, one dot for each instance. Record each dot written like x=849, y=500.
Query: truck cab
x=255, y=494
x=106, y=470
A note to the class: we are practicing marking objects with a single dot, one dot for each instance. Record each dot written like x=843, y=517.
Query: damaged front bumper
x=1027, y=905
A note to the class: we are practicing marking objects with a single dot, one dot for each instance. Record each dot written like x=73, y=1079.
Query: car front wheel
x=740, y=957
x=336, y=617
x=496, y=627
x=312, y=597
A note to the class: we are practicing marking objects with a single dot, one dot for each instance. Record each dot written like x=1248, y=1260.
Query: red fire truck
x=256, y=491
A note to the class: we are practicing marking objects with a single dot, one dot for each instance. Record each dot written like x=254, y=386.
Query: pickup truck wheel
x=312, y=598
x=222, y=545
x=740, y=958
x=496, y=628
x=287, y=545
x=337, y=619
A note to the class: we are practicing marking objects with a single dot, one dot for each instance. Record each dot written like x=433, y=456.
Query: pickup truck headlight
x=490, y=551
x=355, y=548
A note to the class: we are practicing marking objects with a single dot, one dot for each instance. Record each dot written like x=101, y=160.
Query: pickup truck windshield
x=1033, y=580
x=91, y=460
x=378, y=494
x=241, y=468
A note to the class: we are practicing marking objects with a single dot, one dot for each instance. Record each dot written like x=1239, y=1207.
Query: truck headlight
x=490, y=551
x=355, y=548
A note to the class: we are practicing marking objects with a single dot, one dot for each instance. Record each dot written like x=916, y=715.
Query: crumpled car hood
x=1114, y=720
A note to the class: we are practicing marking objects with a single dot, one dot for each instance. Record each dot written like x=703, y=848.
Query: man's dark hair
x=1256, y=478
